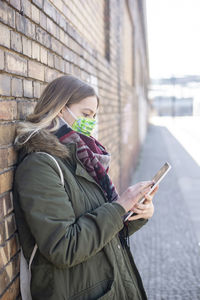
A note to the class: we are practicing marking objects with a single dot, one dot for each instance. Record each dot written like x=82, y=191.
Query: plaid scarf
x=92, y=154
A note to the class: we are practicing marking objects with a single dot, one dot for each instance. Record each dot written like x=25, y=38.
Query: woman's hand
x=133, y=194
x=146, y=209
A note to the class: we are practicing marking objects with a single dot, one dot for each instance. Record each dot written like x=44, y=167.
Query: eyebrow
x=89, y=110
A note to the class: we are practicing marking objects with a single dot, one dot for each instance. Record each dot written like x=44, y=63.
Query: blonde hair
x=63, y=90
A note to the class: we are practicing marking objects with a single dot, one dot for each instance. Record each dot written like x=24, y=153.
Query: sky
x=173, y=28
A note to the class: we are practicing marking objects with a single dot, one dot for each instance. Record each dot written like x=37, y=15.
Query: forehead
x=89, y=102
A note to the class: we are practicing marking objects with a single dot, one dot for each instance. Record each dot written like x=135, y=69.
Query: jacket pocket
x=42, y=281
x=110, y=294
x=102, y=290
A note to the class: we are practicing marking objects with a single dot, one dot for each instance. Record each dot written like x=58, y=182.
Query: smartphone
x=157, y=179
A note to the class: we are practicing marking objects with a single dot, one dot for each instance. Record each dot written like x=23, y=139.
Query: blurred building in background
x=102, y=42
x=176, y=96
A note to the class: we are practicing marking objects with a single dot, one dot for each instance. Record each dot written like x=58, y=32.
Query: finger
x=136, y=217
x=142, y=206
x=145, y=191
x=149, y=198
x=154, y=190
x=146, y=183
x=141, y=211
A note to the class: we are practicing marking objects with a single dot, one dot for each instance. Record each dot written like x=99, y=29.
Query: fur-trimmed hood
x=43, y=141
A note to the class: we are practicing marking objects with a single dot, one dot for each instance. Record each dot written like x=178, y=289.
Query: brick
x=50, y=74
x=36, y=89
x=57, y=33
x=25, y=26
x=35, y=51
x=12, y=156
x=20, y=23
x=13, y=291
x=42, y=87
x=30, y=29
x=6, y=180
x=39, y=3
x=67, y=67
x=62, y=22
x=59, y=4
x=66, y=53
x=3, y=165
x=8, y=157
x=16, y=64
x=43, y=54
x=16, y=41
x=24, y=109
x=26, y=6
x=8, y=110
x=64, y=38
x=59, y=63
x=15, y=4
x=77, y=71
x=5, y=85
x=28, y=88
x=50, y=10
x=51, y=26
x=11, y=16
x=50, y=57
x=8, y=250
x=43, y=20
x=7, y=133
x=81, y=63
x=2, y=61
x=7, y=275
x=6, y=200
x=26, y=46
x=3, y=12
x=35, y=14
x=17, y=90
x=43, y=38
x=66, y=11
x=35, y=70
x=4, y=36
x=56, y=46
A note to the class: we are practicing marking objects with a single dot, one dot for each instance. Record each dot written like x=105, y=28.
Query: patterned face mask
x=82, y=125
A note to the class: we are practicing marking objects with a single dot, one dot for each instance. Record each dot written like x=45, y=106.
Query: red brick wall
x=42, y=39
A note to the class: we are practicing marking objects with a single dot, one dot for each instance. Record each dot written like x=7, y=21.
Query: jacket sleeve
x=135, y=225
x=62, y=239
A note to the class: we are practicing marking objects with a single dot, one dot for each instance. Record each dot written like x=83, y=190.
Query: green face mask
x=83, y=125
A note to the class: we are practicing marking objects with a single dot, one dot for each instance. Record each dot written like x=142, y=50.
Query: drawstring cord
x=127, y=234
x=124, y=235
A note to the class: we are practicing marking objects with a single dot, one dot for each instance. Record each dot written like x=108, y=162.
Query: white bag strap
x=62, y=181
x=32, y=256
x=25, y=278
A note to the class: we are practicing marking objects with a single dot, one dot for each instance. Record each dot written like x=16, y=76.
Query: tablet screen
x=162, y=172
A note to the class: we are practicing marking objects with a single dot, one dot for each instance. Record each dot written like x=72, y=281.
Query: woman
x=79, y=229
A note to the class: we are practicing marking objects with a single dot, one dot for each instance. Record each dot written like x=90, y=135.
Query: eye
x=85, y=115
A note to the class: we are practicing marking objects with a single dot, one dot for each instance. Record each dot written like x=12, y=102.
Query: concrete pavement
x=167, y=248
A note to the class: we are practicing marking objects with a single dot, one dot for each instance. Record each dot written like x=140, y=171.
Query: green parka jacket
x=79, y=256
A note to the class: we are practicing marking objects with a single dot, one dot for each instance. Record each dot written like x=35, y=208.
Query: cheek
x=68, y=118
